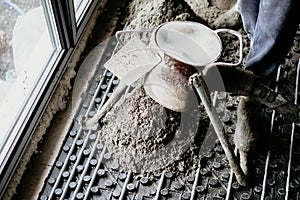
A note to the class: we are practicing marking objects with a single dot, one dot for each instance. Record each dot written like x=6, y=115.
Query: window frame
x=69, y=34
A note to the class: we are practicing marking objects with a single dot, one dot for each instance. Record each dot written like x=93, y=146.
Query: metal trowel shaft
x=201, y=89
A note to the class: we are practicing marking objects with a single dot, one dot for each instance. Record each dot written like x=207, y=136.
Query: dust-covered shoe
x=250, y=130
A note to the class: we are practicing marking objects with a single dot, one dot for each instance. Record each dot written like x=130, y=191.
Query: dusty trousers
x=271, y=26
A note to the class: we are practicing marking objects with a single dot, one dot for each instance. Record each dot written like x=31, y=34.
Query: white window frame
x=60, y=16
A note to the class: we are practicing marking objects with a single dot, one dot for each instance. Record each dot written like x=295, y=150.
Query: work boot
x=249, y=133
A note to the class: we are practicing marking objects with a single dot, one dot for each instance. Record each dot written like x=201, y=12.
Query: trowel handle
x=239, y=36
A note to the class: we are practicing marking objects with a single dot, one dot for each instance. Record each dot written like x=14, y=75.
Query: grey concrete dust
x=144, y=137
x=144, y=14
x=206, y=10
x=218, y=13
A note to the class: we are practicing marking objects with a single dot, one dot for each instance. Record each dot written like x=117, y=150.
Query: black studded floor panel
x=83, y=169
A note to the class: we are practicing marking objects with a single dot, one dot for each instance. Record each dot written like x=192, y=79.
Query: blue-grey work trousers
x=271, y=26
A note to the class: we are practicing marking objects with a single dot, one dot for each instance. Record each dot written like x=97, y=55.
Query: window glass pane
x=27, y=45
x=81, y=7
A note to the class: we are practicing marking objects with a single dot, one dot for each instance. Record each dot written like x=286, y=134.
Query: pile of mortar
x=145, y=137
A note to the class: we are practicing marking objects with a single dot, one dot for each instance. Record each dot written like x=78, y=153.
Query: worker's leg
x=271, y=26
x=272, y=33
x=249, y=13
